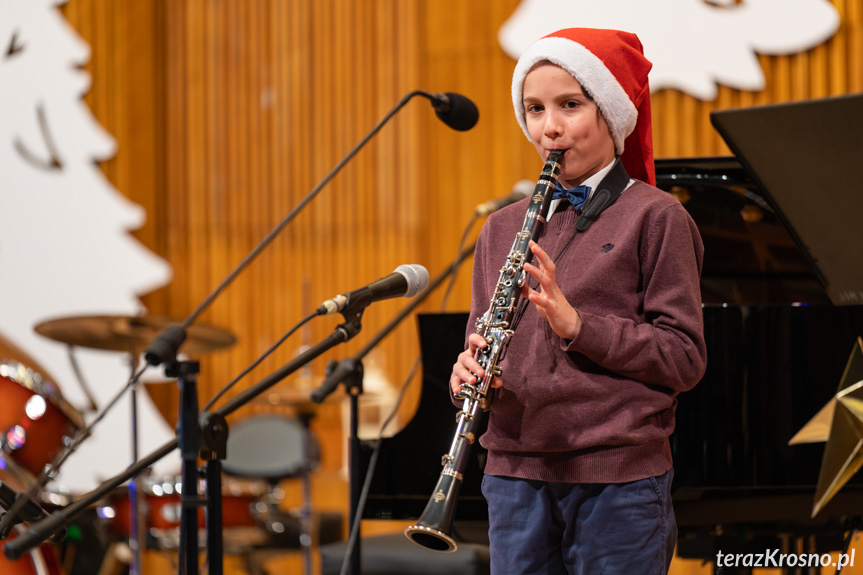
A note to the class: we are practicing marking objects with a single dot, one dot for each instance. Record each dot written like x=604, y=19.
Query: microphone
x=406, y=280
x=30, y=512
x=456, y=111
x=521, y=190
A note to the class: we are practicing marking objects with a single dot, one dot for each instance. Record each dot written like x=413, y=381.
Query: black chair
x=394, y=554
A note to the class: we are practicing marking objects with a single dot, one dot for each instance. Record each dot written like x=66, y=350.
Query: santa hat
x=610, y=65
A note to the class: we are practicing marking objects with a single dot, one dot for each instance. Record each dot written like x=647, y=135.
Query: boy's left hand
x=549, y=300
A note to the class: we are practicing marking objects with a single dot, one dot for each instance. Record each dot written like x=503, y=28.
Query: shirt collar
x=593, y=181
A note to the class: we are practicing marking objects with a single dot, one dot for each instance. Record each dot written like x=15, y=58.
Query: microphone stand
x=41, y=530
x=350, y=372
x=210, y=431
x=164, y=347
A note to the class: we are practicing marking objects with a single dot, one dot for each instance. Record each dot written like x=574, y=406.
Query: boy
x=579, y=473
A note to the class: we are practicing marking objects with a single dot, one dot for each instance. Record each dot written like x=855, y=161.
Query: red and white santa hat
x=610, y=65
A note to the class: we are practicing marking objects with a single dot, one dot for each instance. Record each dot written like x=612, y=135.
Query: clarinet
x=434, y=526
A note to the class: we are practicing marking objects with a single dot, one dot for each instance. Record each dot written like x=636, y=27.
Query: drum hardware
x=93, y=406
x=136, y=532
x=275, y=448
x=241, y=500
x=49, y=471
x=38, y=532
x=129, y=334
x=34, y=420
x=30, y=512
x=306, y=528
x=39, y=561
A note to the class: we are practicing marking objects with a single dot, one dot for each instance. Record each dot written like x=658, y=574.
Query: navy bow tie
x=577, y=196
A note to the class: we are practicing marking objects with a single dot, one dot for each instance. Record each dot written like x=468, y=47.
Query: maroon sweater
x=600, y=408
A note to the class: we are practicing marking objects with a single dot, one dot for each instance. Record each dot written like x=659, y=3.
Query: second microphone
x=407, y=280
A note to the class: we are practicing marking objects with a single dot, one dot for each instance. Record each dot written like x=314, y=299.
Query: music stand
x=806, y=156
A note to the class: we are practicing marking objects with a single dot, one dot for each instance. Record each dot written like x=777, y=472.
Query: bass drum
x=41, y=561
x=162, y=507
x=34, y=418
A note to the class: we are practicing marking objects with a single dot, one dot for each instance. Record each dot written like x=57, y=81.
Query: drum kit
x=36, y=423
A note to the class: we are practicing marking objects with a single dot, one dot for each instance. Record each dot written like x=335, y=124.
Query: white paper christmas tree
x=65, y=246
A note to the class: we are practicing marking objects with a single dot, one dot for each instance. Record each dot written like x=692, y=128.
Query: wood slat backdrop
x=228, y=112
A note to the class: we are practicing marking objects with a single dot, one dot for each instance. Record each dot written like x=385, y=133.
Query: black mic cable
x=255, y=363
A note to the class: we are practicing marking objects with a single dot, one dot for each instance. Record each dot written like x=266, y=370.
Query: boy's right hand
x=466, y=369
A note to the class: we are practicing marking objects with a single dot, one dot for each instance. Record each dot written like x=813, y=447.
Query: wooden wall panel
x=228, y=113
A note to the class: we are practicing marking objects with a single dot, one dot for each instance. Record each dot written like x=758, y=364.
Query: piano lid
x=804, y=156
x=750, y=257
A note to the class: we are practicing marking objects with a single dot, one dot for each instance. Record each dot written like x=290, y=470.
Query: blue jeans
x=541, y=528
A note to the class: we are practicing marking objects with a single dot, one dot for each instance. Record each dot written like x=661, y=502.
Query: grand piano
x=779, y=326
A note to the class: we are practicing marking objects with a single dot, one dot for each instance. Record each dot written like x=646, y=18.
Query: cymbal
x=299, y=399
x=130, y=334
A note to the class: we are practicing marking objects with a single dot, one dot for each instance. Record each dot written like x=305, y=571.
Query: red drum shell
x=44, y=435
x=40, y=561
x=163, y=510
